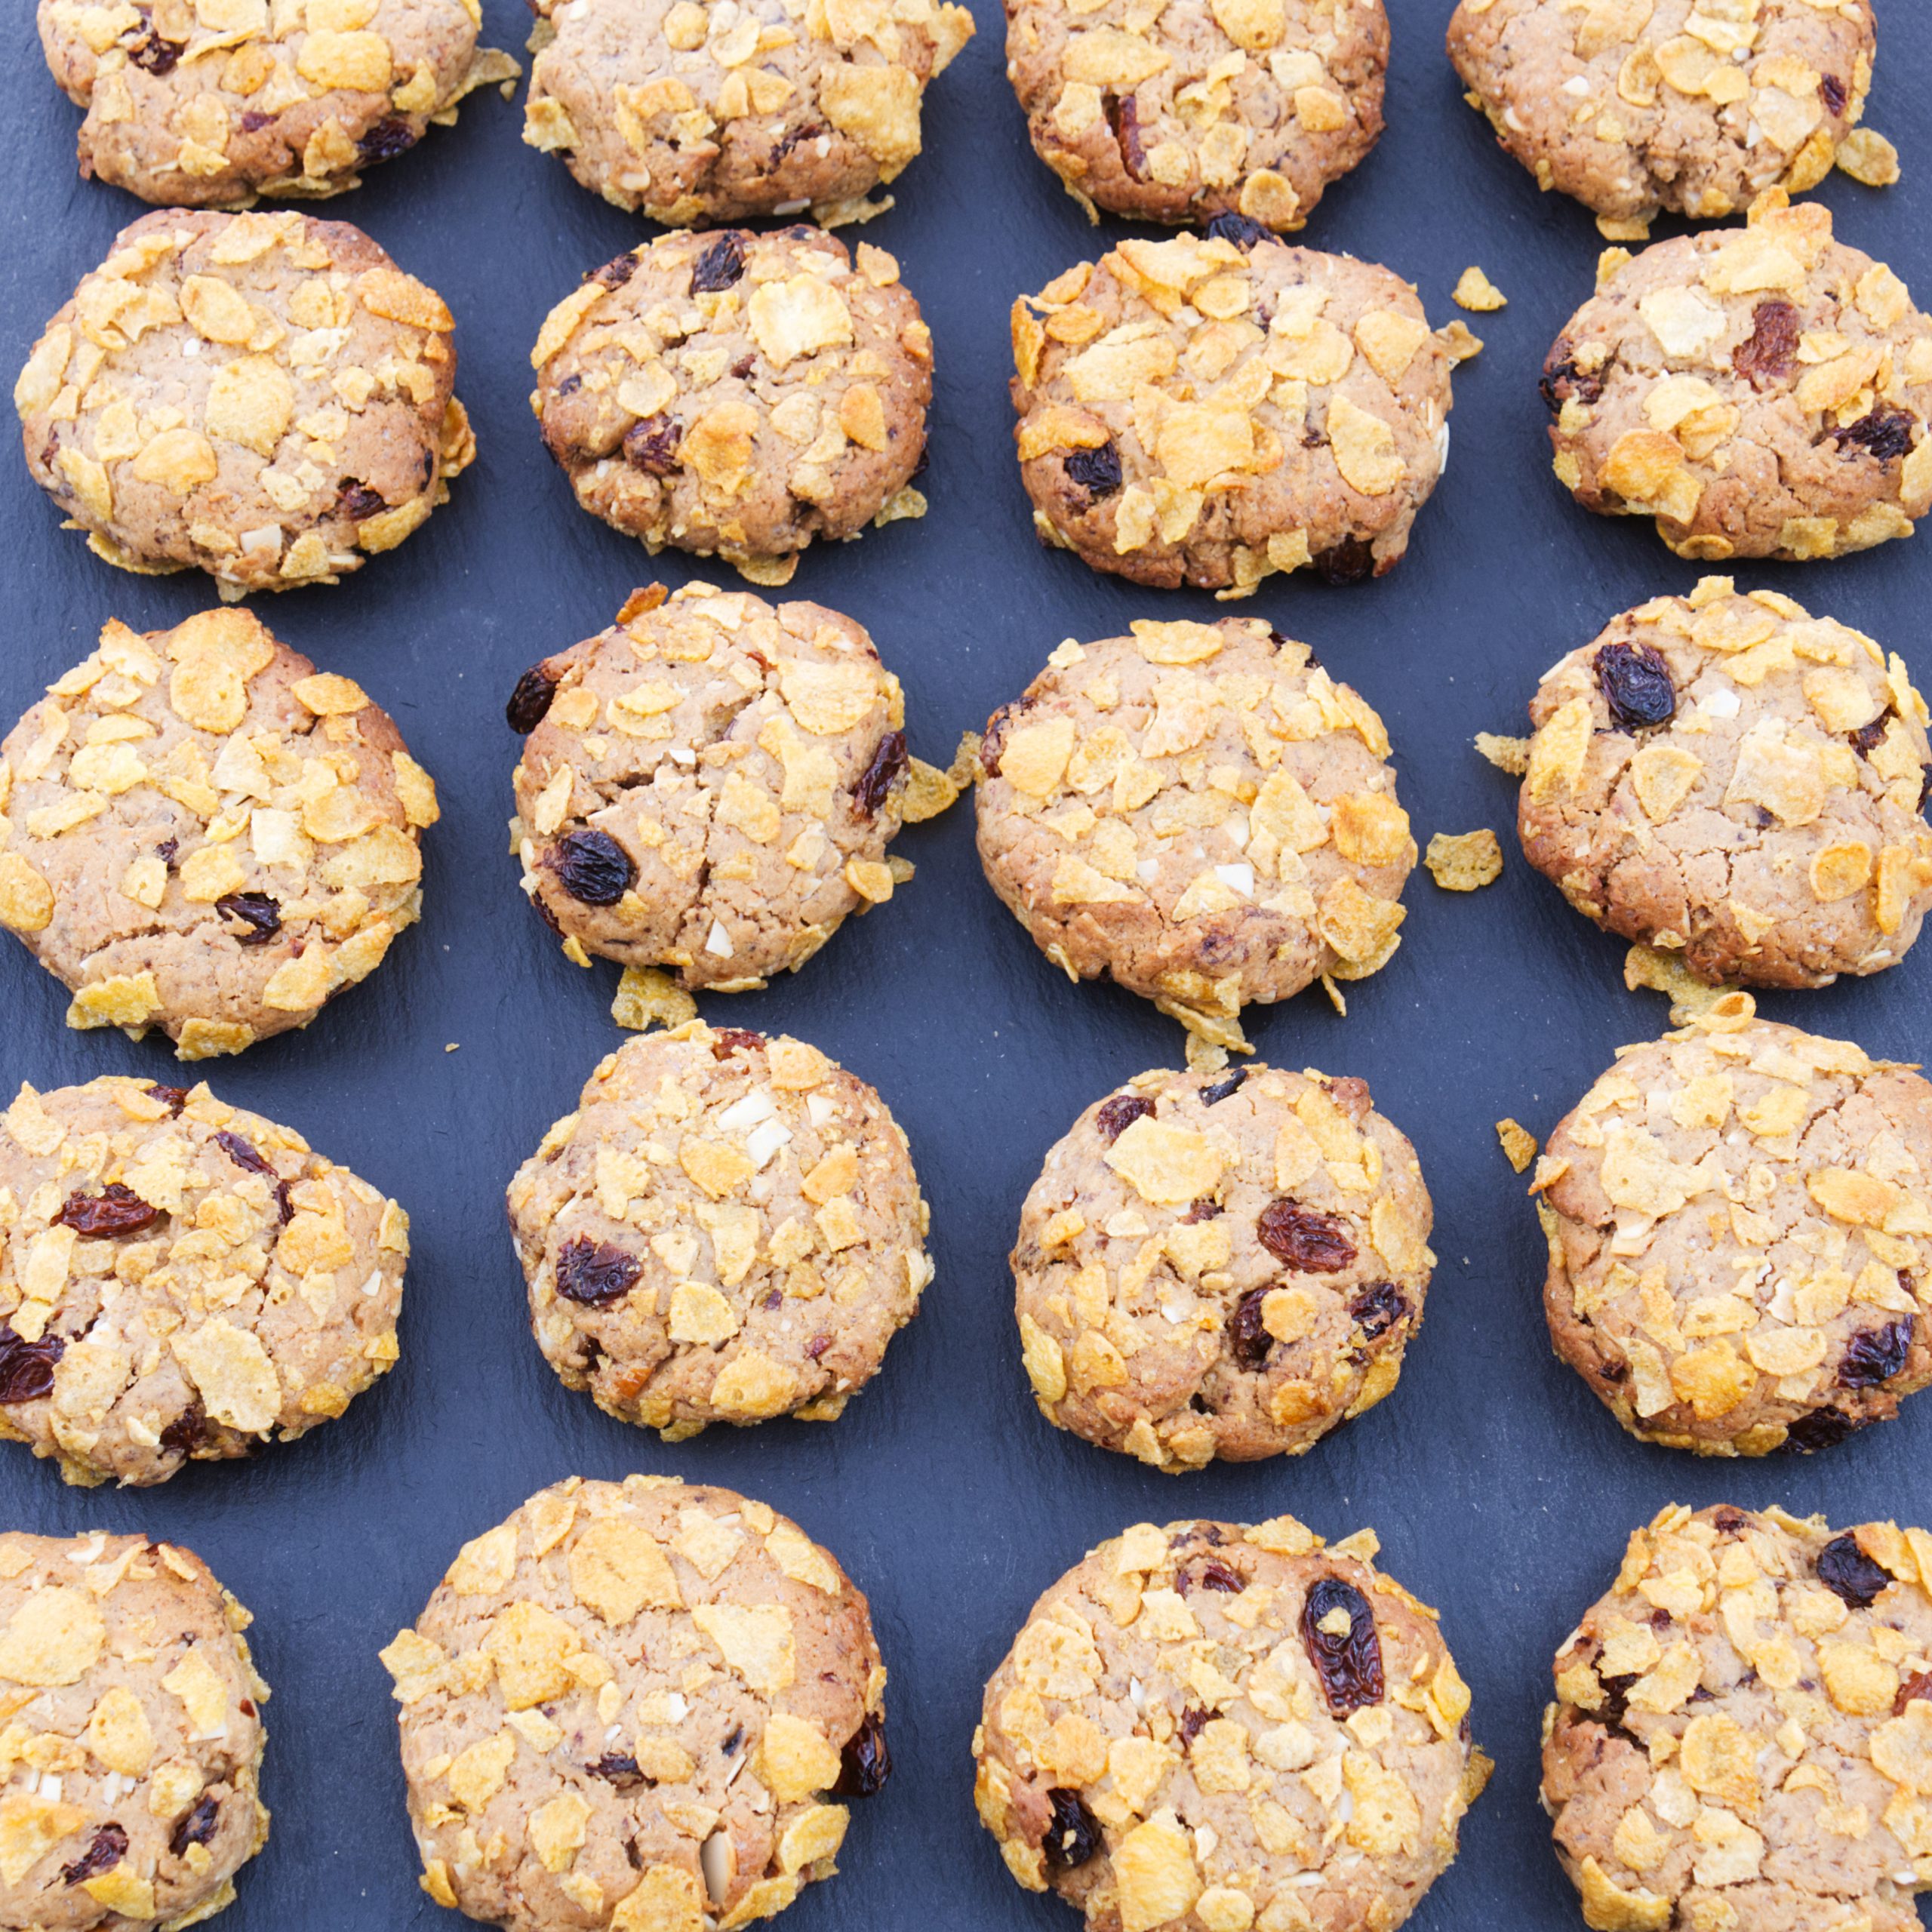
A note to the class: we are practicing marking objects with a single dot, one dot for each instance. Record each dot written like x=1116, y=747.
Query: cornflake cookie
x=200, y=832
x=1200, y=812
x=1635, y=106
x=710, y=784
x=727, y=1228
x=631, y=1706
x=1736, y=1216
x=738, y=394
x=1224, y=1264
x=1739, y=782
x=694, y=113
x=1206, y=411
x=206, y=103
x=1743, y=1725
x=1181, y=113
x=182, y=1280
x=1214, y=1726
x=135, y=1736
x=265, y=397
x=1761, y=391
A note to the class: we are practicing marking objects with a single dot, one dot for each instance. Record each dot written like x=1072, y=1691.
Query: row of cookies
x=651, y=1704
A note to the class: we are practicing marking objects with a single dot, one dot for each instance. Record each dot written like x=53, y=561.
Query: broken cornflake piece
x=1518, y=1143
x=1647, y=969
x=1509, y=755
x=1868, y=157
x=1461, y=862
x=1456, y=337
x=1475, y=291
x=1616, y=228
x=647, y=997
x=930, y=791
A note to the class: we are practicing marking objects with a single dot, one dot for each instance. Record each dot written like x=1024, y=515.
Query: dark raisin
x=806, y=131
x=1883, y=432
x=259, y=914
x=187, y=1431
x=243, y=1153
x=1313, y=1242
x=1850, y=1574
x=1072, y=1834
x=1917, y=1689
x=115, y=1210
x=1347, y=1663
x=1728, y=1522
x=1636, y=685
x=1117, y=1114
x=1123, y=113
x=1867, y=738
x=530, y=702
x=198, y=1827
x=591, y=866
x=386, y=139
x=619, y=1768
x=818, y=1346
x=152, y=53
x=1378, y=1309
x=733, y=1739
x=254, y=120
x=721, y=264
x=993, y=741
x=1248, y=1340
x=652, y=445
x=1212, y=1096
x=173, y=1098
x=726, y=1041
x=1769, y=353
x=593, y=1273
x=1874, y=1355
x=1219, y=1576
x=1563, y=382
x=106, y=1849
x=875, y=782
x=1833, y=91
x=166, y=850
x=1925, y=789
x=1203, y=1208
x=864, y=1763
x=27, y=1368
x=1821, y=1429
x=356, y=500
x=1351, y=561
x=1095, y=471
x=612, y=274
x=1616, y=1702
x=1243, y=231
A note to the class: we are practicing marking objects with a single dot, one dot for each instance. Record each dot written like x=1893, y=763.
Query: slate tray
x=1501, y=1491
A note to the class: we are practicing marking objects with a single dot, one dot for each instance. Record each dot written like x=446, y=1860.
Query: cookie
x=267, y=398
x=1761, y=391
x=1182, y=112
x=202, y=833
x=1209, y=1726
x=710, y=784
x=1638, y=106
x=1738, y=782
x=632, y=1706
x=727, y=1228
x=1736, y=1217
x=1200, y=812
x=135, y=1736
x=206, y=103
x=692, y=115
x=1224, y=1264
x=1741, y=1735
x=738, y=395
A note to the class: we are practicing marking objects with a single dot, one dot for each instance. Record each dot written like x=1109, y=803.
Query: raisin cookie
x=1200, y=108
x=1739, y=782
x=135, y=1736
x=1635, y=106
x=206, y=103
x=1209, y=1726
x=710, y=784
x=1207, y=411
x=1200, y=812
x=1737, y=1216
x=692, y=114
x=1224, y=1264
x=183, y=1281
x=631, y=1704
x=1743, y=1729
x=737, y=395
x=727, y=1228
x=200, y=832
x=1761, y=391
x=267, y=398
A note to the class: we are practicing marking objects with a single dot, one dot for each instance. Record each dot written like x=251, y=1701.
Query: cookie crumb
x=1614, y=228
x=1509, y=755
x=1456, y=338
x=1647, y=969
x=1868, y=157
x=1518, y=1143
x=1337, y=998
x=648, y=996
x=453, y=1046
x=1476, y=291
x=1464, y=861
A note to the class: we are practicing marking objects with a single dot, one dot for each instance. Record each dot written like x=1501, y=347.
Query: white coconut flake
x=764, y=1140
x=1240, y=878
x=720, y=941
x=756, y=1106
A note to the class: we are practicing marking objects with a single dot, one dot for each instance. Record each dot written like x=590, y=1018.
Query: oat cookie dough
x=1221, y=1264
x=1209, y=411
x=1743, y=1729
x=1761, y=391
x=694, y=113
x=1200, y=812
x=182, y=1280
x=135, y=1736
x=1209, y=1726
x=738, y=395
x=1202, y=107
x=1737, y=1216
x=727, y=1228
x=1737, y=781
x=638, y=1706
x=206, y=103
x=267, y=398
x=1636, y=106
x=202, y=833
x=710, y=784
